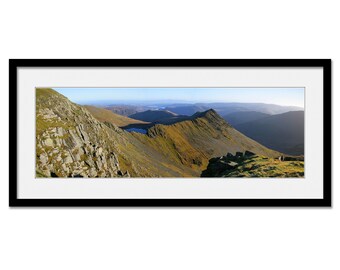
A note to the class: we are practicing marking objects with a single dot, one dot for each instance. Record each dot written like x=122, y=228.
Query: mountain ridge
x=153, y=115
x=203, y=136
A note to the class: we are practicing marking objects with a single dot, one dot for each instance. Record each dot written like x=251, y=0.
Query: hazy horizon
x=133, y=96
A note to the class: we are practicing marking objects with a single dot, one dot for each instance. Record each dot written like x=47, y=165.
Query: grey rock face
x=75, y=144
x=43, y=158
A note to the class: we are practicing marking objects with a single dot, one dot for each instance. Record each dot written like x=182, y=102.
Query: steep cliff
x=70, y=142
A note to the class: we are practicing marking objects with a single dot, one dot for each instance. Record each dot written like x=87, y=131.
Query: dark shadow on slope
x=168, y=121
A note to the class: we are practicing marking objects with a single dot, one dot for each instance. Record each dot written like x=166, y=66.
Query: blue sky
x=279, y=96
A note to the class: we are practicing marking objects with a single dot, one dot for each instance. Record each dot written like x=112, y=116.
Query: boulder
x=46, y=172
x=43, y=158
x=77, y=157
x=65, y=169
x=99, y=151
x=49, y=142
x=92, y=172
x=232, y=165
x=239, y=154
x=249, y=154
x=60, y=131
x=68, y=160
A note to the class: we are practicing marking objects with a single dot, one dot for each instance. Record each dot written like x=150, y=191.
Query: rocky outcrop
x=70, y=142
x=218, y=165
x=70, y=153
x=291, y=158
x=249, y=164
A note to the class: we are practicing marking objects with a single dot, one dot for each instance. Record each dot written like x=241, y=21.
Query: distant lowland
x=167, y=140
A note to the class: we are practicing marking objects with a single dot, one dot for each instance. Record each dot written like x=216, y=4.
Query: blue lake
x=139, y=130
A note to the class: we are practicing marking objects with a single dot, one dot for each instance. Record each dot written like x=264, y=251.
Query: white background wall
x=168, y=238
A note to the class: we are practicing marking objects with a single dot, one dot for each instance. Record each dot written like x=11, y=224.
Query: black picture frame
x=14, y=64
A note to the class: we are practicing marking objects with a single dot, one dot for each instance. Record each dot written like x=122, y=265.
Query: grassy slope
x=260, y=166
x=104, y=115
x=263, y=167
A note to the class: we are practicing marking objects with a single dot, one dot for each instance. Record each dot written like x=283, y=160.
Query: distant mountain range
x=187, y=109
x=282, y=132
x=227, y=108
x=153, y=115
x=105, y=115
x=78, y=141
x=126, y=110
x=237, y=118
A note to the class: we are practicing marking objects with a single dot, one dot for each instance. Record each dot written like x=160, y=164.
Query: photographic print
x=170, y=132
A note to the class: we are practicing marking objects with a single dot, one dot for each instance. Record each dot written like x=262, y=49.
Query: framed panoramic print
x=170, y=133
